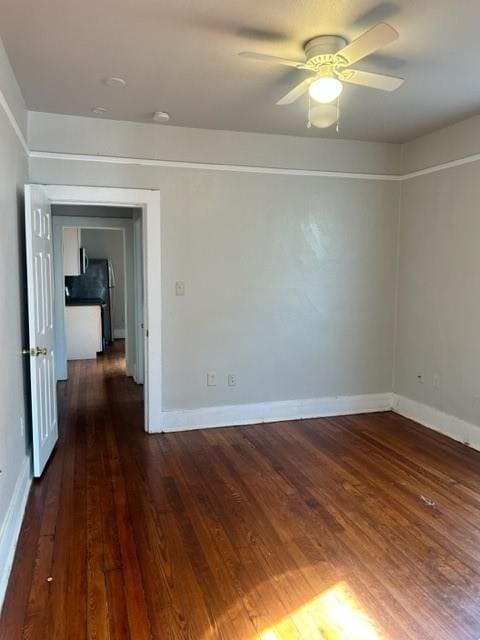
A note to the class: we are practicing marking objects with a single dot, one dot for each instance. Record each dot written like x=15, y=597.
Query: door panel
x=38, y=233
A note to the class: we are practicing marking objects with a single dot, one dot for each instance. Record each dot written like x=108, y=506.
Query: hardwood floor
x=359, y=528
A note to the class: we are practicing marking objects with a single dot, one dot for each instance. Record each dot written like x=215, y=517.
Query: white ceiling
x=180, y=56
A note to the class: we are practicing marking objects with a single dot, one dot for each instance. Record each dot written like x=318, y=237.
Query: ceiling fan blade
x=272, y=59
x=296, y=93
x=373, y=80
x=375, y=38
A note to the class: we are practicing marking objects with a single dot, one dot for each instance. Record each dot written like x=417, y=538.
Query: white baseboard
x=119, y=334
x=11, y=525
x=449, y=425
x=231, y=415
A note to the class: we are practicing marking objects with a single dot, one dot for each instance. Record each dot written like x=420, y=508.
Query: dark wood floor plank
x=243, y=533
x=119, y=540
x=97, y=598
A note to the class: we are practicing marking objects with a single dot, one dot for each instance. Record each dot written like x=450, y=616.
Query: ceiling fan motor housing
x=322, y=58
x=322, y=47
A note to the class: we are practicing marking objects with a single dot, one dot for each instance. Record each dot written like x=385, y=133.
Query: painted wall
x=289, y=280
x=72, y=134
x=445, y=145
x=439, y=276
x=108, y=243
x=14, y=425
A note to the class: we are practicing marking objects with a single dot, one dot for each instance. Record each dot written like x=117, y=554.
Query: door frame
x=138, y=293
x=149, y=202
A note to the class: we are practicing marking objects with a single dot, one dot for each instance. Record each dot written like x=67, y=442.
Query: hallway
x=76, y=557
x=267, y=531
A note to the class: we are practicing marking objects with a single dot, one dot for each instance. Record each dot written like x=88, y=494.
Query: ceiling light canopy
x=114, y=81
x=325, y=89
x=160, y=116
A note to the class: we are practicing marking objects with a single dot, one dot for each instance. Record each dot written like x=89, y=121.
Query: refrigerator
x=96, y=284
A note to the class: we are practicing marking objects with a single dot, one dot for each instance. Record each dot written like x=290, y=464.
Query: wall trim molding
x=210, y=166
x=445, y=423
x=241, y=414
x=151, y=162
x=441, y=167
x=12, y=524
x=265, y=412
x=13, y=121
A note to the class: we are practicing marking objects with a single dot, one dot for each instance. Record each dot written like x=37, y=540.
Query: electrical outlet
x=232, y=380
x=436, y=381
x=420, y=378
x=179, y=288
x=211, y=379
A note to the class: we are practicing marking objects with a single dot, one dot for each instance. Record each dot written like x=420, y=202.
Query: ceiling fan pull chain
x=309, y=123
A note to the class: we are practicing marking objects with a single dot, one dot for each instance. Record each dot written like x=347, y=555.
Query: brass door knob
x=35, y=351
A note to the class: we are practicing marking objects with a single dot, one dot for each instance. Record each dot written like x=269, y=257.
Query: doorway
x=98, y=283
x=39, y=200
x=149, y=202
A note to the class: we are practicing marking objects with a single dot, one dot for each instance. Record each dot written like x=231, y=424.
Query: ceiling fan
x=328, y=59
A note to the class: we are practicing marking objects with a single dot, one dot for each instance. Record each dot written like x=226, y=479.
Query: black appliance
x=94, y=284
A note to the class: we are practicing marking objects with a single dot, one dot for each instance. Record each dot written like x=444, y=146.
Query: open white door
x=39, y=248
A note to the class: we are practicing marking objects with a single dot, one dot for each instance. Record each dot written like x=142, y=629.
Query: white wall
x=108, y=243
x=439, y=278
x=50, y=132
x=455, y=142
x=262, y=253
x=14, y=426
x=289, y=279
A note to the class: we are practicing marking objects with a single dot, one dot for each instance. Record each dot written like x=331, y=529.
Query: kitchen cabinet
x=83, y=329
x=71, y=251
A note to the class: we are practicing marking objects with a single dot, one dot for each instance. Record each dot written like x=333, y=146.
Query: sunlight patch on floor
x=333, y=615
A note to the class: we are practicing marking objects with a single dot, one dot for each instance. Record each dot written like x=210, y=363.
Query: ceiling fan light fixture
x=325, y=89
x=323, y=116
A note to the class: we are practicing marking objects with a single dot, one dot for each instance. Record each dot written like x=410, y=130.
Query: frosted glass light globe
x=325, y=89
x=323, y=116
